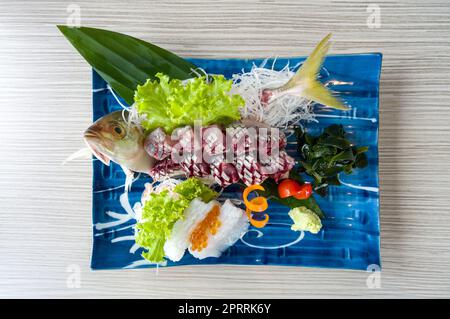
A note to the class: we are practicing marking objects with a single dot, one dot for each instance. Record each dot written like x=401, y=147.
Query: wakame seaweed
x=325, y=156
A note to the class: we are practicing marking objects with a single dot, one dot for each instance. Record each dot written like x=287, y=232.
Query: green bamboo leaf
x=123, y=61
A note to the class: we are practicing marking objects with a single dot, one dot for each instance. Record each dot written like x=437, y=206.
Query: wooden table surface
x=45, y=100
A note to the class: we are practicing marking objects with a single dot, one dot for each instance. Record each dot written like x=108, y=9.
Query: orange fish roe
x=209, y=225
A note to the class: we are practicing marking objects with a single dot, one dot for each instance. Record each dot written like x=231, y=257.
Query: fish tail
x=306, y=77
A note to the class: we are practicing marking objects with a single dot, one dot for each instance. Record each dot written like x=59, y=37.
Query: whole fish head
x=112, y=138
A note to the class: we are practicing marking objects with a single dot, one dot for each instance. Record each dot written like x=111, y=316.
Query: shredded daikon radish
x=156, y=187
x=133, y=115
x=283, y=111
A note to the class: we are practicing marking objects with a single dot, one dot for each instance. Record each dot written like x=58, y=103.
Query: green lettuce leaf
x=155, y=251
x=170, y=103
x=194, y=188
x=159, y=214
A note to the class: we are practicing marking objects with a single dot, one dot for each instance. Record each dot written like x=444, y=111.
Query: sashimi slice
x=178, y=242
x=233, y=224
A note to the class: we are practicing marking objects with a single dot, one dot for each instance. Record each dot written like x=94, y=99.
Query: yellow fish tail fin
x=306, y=77
x=318, y=93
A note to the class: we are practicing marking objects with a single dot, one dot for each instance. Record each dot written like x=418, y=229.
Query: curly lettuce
x=159, y=213
x=194, y=188
x=162, y=210
x=171, y=103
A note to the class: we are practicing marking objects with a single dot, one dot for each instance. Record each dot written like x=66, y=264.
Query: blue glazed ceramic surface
x=350, y=237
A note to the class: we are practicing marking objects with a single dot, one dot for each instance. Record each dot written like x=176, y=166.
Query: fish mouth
x=91, y=133
x=93, y=140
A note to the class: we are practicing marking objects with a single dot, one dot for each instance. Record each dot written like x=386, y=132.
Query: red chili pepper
x=288, y=188
x=304, y=192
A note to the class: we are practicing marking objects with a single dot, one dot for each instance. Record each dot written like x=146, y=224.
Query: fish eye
x=119, y=131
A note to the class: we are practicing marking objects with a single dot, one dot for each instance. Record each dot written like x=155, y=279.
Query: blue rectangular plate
x=350, y=237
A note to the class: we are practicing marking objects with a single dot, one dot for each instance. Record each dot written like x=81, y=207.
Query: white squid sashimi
x=233, y=224
x=178, y=242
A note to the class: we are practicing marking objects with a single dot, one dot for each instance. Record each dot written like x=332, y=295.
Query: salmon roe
x=209, y=225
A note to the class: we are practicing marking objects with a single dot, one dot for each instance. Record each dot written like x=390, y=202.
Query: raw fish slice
x=165, y=167
x=225, y=174
x=158, y=144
